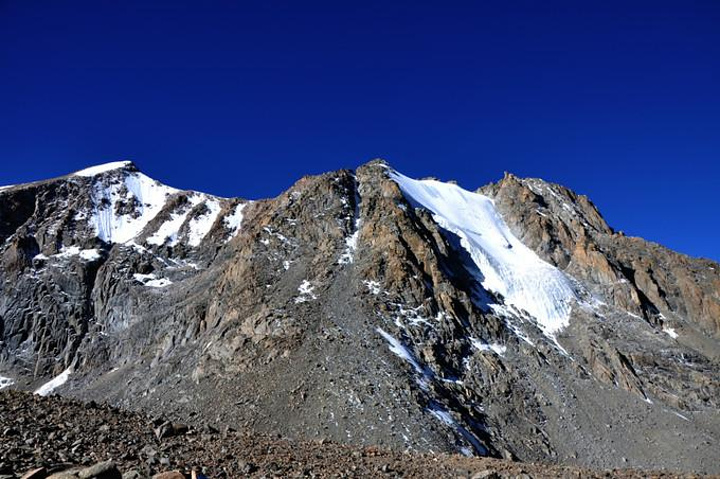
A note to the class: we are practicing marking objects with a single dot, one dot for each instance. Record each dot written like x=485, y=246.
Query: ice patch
x=6, y=382
x=96, y=170
x=506, y=266
x=498, y=349
x=54, y=383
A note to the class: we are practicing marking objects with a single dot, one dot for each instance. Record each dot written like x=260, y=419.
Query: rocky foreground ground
x=59, y=434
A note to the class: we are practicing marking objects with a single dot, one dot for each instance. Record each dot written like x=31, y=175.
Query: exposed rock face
x=644, y=278
x=352, y=308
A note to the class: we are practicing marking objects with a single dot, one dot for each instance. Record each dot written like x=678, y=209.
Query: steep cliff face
x=367, y=307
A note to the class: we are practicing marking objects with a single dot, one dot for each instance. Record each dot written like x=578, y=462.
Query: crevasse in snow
x=506, y=266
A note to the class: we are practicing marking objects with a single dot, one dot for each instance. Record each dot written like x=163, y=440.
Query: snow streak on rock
x=114, y=224
x=169, y=232
x=152, y=280
x=200, y=225
x=506, y=266
x=54, y=383
x=233, y=221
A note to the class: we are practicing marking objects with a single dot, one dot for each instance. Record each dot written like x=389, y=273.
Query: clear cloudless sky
x=619, y=100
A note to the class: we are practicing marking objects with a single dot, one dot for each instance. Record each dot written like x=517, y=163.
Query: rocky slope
x=367, y=308
x=62, y=436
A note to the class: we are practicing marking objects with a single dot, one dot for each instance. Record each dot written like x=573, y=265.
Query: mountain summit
x=370, y=308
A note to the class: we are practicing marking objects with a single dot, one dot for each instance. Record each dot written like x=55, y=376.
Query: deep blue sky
x=616, y=100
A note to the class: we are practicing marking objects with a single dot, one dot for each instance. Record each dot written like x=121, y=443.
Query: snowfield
x=506, y=266
x=148, y=196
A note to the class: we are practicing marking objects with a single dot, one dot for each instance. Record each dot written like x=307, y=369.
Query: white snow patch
x=498, y=349
x=674, y=412
x=147, y=196
x=233, y=221
x=199, y=226
x=397, y=348
x=348, y=255
x=7, y=187
x=40, y=257
x=447, y=419
x=443, y=416
x=670, y=332
x=85, y=254
x=54, y=383
x=90, y=255
x=506, y=266
x=169, y=232
x=96, y=170
x=6, y=382
x=137, y=247
x=151, y=280
x=373, y=286
x=412, y=315
x=67, y=251
x=159, y=283
x=306, y=292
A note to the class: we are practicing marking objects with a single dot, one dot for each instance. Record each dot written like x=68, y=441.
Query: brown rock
x=39, y=473
x=103, y=470
x=169, y=475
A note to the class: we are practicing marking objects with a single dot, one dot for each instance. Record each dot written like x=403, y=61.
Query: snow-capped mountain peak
x=118, y=204
x=105, y=167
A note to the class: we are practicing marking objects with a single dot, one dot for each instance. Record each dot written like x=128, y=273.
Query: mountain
x=369, y=308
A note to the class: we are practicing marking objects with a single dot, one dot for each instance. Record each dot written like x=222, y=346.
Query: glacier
x=508, y=267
